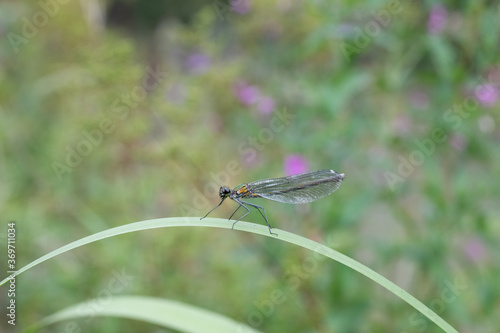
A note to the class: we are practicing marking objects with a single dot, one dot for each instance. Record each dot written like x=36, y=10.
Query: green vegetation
x=103, y=126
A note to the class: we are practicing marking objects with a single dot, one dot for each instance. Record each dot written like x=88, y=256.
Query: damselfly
x=297, y=189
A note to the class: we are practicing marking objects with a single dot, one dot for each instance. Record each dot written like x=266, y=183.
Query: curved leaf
x=171, y=314
x=257, y=229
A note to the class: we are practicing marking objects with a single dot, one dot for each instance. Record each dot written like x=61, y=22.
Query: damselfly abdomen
x=297, y=189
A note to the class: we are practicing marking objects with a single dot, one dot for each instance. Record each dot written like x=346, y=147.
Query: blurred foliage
x=367, y=84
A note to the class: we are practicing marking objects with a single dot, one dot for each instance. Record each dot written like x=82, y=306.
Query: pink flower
x=265, y=105
x=250, y=95
x=487, y=94
x=474, y=249
x=240, y=6
x=247, y=94
x=437, y=19
x=295, y=164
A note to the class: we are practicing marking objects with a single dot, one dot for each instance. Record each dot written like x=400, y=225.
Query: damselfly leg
x=213, y=208
x=234, y=212
x=243, y=203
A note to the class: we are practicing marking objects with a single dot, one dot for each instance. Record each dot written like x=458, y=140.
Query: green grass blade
x=170, y=314
x=257, y=229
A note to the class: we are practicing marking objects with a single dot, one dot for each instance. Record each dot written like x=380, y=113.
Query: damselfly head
x=224, y=192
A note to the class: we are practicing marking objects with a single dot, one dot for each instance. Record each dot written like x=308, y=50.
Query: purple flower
x=198, y=63
x=240, y=6
x=295, y=164
x=437, y=19
x=486, y=94
x=247, y=94
x=265, y=105
x=474, y=249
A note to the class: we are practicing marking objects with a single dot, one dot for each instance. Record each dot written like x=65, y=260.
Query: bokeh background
x=120, y=111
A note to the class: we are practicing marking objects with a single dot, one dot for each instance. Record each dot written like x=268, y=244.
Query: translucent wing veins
x=297, y=189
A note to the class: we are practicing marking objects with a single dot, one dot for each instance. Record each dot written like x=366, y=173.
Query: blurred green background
x=116, y=112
